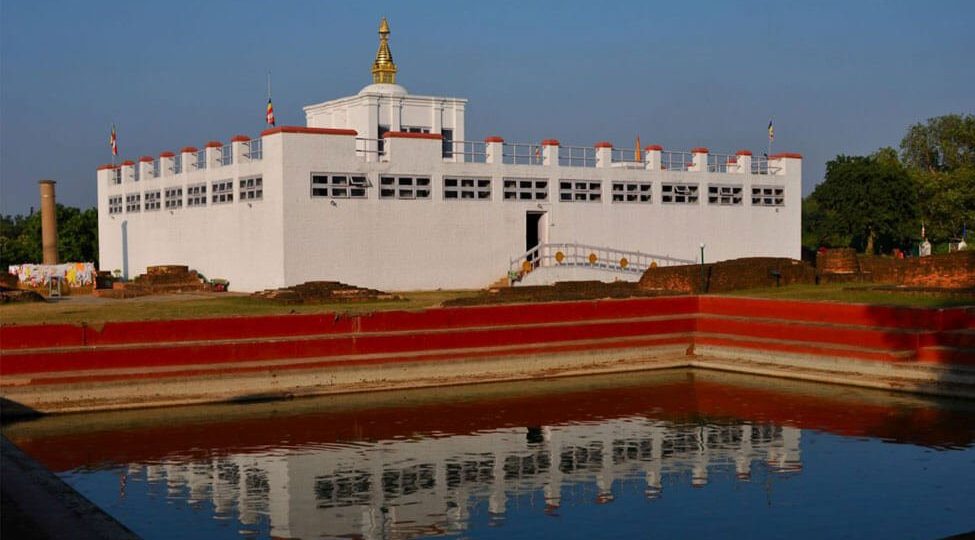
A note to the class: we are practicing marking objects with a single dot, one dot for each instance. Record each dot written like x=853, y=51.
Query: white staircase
x=546, y=264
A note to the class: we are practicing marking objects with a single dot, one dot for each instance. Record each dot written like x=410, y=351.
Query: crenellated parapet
x=213, y=155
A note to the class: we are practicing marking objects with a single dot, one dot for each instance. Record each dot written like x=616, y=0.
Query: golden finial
x=383, y=69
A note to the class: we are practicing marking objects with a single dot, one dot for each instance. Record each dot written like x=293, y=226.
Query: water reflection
x=423, y=486
x=416, y=464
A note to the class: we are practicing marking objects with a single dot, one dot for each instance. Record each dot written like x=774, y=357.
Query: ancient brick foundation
x=948, y=271
x=747, y=273
x=163, y=279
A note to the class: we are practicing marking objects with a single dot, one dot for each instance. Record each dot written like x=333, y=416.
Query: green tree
x=868, y=203
x=821, y=226
x=20, y=240
x=944, y=143
x=20, y=237
x=946, y=201
x=940, y=155
x=78, y=234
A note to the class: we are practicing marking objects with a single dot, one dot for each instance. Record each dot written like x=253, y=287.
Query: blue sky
x=838, y=76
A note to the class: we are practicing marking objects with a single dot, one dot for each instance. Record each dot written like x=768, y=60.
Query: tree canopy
x=940, y=155
x=864, y=202
x=945, y=143
x=881, y=200
x=20, y=237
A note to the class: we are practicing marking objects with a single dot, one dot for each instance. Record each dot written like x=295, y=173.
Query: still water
x=664, y=454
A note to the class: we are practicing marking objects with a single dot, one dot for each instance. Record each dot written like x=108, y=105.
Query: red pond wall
x=854, y=331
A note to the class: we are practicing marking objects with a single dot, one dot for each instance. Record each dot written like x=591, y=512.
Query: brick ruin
x=946, y=271
x=954, y=271
x=322, y=292
x=165, y=279
x=736, y=274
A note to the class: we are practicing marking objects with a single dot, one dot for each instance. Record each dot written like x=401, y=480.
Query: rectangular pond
x=677, y=453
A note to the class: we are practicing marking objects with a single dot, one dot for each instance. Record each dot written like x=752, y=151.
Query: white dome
x=388, y=89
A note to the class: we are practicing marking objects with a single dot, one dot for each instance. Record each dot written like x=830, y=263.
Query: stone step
x=952, y=338
x=947, y=355
x=773, y=346
x=808, y=332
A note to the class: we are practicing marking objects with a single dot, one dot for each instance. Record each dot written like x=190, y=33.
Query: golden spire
x=383, y=69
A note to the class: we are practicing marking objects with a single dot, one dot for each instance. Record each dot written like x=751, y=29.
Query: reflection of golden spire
x=383, y=69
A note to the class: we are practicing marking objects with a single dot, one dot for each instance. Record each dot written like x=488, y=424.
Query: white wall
x=389, y=105
x=289, y=237
x=436, y=243
x=239, y=241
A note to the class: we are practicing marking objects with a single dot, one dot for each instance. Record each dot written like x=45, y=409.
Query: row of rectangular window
x=404, y=187
x=409, y=187
x=344, y=186
x=221, y=191
x=339, y=186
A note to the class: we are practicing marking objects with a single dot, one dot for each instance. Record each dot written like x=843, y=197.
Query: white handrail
x=522, y=154
x=584, y=255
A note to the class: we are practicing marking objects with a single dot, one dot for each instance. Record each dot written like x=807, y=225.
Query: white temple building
x=383, y=190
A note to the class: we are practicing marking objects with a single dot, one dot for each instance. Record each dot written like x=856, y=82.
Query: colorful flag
x=771, y=131
x=270, y=112
x=113, y=141
x=638, y=152
x=538, y=152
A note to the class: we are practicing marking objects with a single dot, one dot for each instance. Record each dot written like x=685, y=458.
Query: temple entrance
x=534, y=235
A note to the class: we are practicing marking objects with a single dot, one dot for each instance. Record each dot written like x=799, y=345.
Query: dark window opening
x=381, y=144
x=448, y=142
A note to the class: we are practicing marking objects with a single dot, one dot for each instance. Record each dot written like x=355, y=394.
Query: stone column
x=166, y=164
x=49, y=222
x=744, y=161
x=494, y=148
x=550, y=152
x=188, y=159
x=214, y=151
x=241, y=146
x=652, y=156
x=146, y=168
x=128, y=171
x=604, y=154
x=699, y=159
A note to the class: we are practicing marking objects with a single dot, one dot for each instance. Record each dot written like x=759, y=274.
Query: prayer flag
x=270, y=113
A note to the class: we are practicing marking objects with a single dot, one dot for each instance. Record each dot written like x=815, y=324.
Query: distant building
x=382, y=189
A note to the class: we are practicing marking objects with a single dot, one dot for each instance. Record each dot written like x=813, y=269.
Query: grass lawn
x=854, y=293
x=93, y=310
x=97, y=310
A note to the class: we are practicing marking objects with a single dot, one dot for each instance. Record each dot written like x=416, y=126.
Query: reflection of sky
x=847, y=487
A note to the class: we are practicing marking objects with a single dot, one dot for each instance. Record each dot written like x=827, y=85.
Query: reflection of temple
x=406, y=487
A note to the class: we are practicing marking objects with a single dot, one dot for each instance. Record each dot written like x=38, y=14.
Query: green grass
x=853, y=293
x=95, y=311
